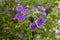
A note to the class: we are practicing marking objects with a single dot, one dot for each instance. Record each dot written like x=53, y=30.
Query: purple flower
x=19, y=12
x=38, y=7
x=2, y=0
x=39, y=22
x=33, y=27
x=48, y=5
x=7, y=11
x=35, y=10
x=29, y=23
x=43, y=9
x=17, y=0
x=58, y=9
x=19, y=8
x=43, y=14
x=53, y=31
x=39, y=0
x=32, y=5
x=25, y=11
x=21, y=35
x=16, y=16
x=21, y=18
x=22, y=10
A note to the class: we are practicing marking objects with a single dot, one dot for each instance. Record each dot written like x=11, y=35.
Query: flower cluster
x=39, y=22
x=20, y=10
x=38, y=8
x=35, y=10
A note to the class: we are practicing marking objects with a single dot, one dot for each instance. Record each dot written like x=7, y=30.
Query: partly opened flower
x=48, y=5
x=16, y=16
x=43, y=14
x=32, y=6
x=29, y=23
x=38, y=7
x=43, y=9
x=7, y=11
x=39, y=22
x=17, y=0
x=54, y=32
x=35, y=10
x=33, y=27
x=39, y=0
x=58, y=9
x=21, y=35
x=57, y=33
